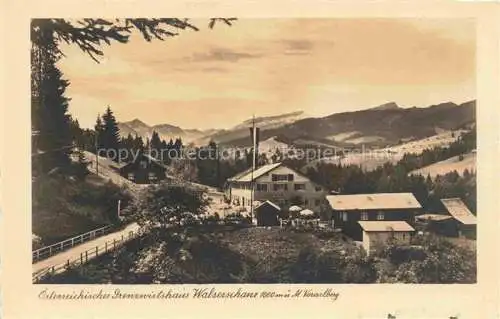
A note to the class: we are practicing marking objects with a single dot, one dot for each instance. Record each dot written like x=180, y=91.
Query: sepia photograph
x=253, y=151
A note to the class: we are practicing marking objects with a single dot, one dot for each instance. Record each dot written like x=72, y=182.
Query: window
x=317, y=202
x=318, y=189
x=306, y=202
x=262, y=187
x=281, y=177
x=380, y=216
x=131, y=177
x=364, y=216
x=298, y=187
x=344, y=216
x=144, y=164
x=152, y=177
x=280, y=187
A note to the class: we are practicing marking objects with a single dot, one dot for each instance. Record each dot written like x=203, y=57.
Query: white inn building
x=278, y=184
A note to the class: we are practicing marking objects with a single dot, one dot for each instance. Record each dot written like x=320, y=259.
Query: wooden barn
x=464, y=219
x=267, y=214
x=348, y=210
x=144, y=170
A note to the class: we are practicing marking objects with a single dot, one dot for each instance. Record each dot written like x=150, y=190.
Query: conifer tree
x=155, y=143
x=138, y=143
x=99, y=129
x=49, y=105
x=111, y=132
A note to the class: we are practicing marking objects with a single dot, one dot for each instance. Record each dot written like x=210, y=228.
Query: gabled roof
x=267, y=202
x=154, y=160
x=150, y=158
x=246, y=176
x=237, y=176
x=380, y=226
x=459, y=211
x=373, y=201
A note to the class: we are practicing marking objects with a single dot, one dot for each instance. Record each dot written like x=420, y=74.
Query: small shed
x=267, y=214
x=466, y=221
x=378, y=233
x=441, y=224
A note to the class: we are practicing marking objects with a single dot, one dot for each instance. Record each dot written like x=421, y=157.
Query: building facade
x=278, y=184
x=348, y=210
x=144, y=170
x=377, y=234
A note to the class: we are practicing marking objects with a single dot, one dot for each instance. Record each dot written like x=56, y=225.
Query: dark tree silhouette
x=50, y=120
x=110, y=135
x=90, y=34
x=50, y=124
x=99, y=129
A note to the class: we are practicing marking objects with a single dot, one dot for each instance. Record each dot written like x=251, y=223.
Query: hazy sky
x=218, y=78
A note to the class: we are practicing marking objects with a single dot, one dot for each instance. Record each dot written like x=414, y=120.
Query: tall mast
x=252, y=184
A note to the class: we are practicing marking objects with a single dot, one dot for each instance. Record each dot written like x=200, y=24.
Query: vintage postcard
x=241, y=161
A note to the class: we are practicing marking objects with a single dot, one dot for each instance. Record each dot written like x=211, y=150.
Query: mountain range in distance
x=203, y=137
x=378, y=126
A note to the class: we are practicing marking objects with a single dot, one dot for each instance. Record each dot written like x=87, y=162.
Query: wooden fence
x=48, y=251
x=85, y=256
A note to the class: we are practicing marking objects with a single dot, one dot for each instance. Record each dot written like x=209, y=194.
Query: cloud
x=298, y=44
x=319, y=65
x=221, y=55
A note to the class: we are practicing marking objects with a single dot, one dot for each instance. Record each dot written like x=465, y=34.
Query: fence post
x=122, y=238
x=96, y=251
x=62, y=245
x=72, y=242
x=37, y=254
x=106, y=247
x=50, y=250
x=53, y=270
x=67, y=264
x=86, y=256
x=81, y=258
x=114, y=244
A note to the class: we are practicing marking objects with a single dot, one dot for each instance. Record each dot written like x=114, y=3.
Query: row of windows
x=151, y=176
x=283, y=187
x=282, y=177
x=364, y=216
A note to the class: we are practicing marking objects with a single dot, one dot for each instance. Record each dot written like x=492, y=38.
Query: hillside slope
x=382, y=126
x=452, y=164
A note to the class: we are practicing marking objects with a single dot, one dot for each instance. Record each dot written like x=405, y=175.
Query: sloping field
x=452, y=164
x=442, y=139
x=371, y=159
